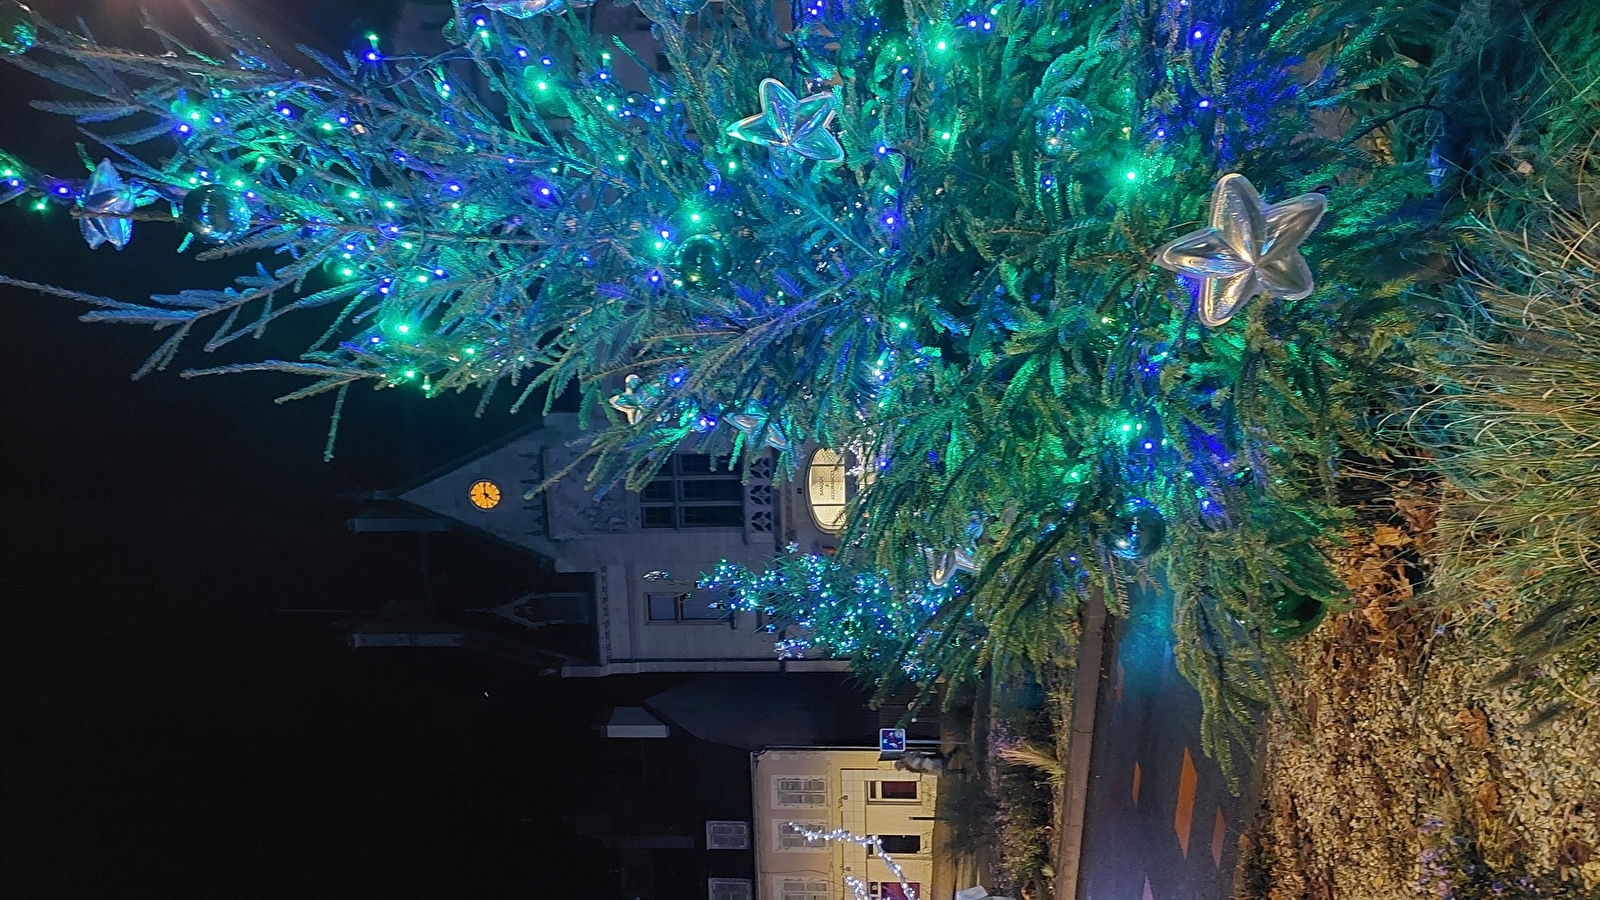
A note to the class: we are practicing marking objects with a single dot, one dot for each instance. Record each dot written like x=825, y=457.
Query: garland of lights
x=924, y=234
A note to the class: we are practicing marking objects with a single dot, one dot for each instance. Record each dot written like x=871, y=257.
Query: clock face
x=485, y=494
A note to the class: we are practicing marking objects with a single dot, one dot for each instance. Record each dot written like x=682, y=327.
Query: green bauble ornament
x=702, y=262
x=17, y=34
x=1295, y=615
x=215, y=214
x=1063, y=126
x=1137, y=529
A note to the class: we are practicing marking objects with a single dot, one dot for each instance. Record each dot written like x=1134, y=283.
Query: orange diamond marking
x=1218, y=832
x=1187, y=778
x=1136, y=775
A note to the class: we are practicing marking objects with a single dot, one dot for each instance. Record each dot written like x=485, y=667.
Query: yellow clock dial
x=485, y=494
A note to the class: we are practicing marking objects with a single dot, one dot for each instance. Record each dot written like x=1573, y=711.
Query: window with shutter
x=788, y=838
x=727, y=835
x=803, y=889
x=729, y=889
x=791, y=792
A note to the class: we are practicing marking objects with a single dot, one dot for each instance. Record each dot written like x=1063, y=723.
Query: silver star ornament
x=943, y=565
x=753, y=423
x=636, y=399
x=1249, y=249
x=112, y=202
x=789, y=124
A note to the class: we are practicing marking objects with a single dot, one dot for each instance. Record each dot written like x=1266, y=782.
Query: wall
x=832, y=788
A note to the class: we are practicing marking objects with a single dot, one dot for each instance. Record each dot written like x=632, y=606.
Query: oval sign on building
x=825, y=489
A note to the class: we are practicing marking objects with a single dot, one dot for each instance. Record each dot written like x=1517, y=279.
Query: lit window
x=891, y=790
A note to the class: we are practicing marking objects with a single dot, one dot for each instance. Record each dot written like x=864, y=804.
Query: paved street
x=1160, y=823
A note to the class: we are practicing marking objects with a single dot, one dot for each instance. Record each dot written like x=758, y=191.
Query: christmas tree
x=1033, y=266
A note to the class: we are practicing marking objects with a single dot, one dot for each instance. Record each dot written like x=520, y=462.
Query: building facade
x=643, y=550
x=823, y=789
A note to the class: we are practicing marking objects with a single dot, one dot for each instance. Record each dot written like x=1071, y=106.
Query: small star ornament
x=753, y=423
x=792, y=125
x=1249, y=249
x=111, y=201
x=636, y=398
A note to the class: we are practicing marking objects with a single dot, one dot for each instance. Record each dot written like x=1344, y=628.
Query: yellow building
x=825, y=789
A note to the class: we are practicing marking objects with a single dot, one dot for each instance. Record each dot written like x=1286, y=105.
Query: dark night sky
x=165, y=733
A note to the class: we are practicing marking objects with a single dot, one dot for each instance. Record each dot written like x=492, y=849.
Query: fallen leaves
x=1390, y=722
x=1474, y=726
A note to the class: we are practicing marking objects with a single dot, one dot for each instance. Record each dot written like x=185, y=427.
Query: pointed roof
x=512, y=466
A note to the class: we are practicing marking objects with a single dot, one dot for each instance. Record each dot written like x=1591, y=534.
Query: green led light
x=347, y=272
x=694, y=217
x=406, y=329
x=411, y=373
x=469, y=351
x=543, y=86
x=733, y=165
x=941, y=46
x=1132, y=175
x=354, y=195
x=947, y=135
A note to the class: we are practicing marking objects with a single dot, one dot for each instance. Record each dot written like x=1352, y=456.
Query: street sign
x=891, y=740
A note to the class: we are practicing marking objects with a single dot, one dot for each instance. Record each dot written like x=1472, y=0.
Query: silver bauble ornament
x=1062, y=126
x=215, y=214
x=702, y=261
x=1137, y=529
